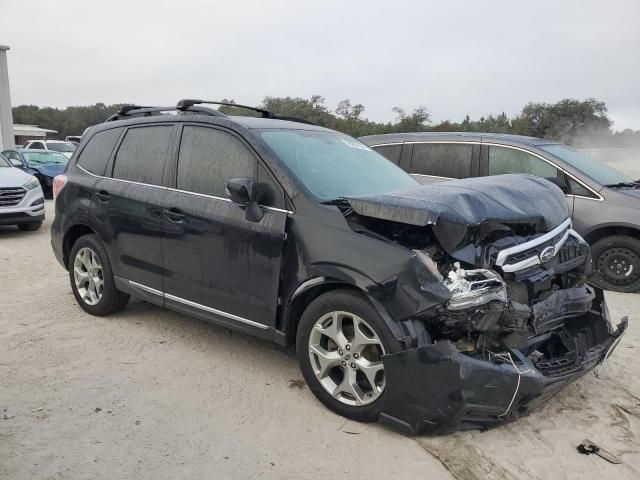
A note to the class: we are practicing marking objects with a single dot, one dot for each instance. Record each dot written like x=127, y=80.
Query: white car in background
x=66, y=148
x=21, y=198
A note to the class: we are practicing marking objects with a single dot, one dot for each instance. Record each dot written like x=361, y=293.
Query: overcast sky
x=455, y=57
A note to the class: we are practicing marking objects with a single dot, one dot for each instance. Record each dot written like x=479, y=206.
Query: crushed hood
x=50, y=169
x=464, y=211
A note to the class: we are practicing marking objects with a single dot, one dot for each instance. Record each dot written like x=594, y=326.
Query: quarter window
x=142, y=154
x=209, y=158
x=452, y=160
x=95, y=155
x=580, y=190
x=509, y=160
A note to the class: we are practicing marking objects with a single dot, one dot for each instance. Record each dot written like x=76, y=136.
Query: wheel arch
x=608, y=230
x=72, y=234
x=304, y=295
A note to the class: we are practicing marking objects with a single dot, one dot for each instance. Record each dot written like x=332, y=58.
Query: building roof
x=31, y=130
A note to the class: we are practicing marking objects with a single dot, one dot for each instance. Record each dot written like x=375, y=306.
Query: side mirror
x=244, y=192
x=16, y=163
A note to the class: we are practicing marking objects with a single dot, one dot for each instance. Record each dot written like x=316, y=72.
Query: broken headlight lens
x=470, y=288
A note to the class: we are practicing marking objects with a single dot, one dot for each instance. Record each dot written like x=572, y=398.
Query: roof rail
x=186, y=103
x=190, y=105
x=128, y=111
x=134, y=110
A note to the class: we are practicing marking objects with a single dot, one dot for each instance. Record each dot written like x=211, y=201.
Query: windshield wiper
x=635, y=184
x=341, y=203
x=336, y=201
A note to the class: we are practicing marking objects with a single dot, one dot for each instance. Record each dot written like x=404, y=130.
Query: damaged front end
x=516, y=319
x=448, y=386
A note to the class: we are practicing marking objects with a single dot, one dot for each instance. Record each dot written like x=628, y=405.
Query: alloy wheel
x=345, y=354
x=88, y=276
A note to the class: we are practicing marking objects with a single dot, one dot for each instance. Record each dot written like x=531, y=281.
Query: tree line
x=581, y=123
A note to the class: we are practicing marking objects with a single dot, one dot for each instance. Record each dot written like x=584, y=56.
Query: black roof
x=460, y=136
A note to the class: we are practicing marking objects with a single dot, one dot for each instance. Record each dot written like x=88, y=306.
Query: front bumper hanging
x=436, y=389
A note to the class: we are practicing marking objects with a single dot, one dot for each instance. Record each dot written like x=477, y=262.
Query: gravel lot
x=149, y=393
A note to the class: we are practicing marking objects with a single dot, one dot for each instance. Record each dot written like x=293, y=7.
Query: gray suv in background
x=604, y=203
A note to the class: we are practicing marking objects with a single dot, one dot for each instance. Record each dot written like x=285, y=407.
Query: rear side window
x=142, y=154
x=451, y=160
x=95, y=155
x=392, y=152
x=209, y=158
x=509, y=160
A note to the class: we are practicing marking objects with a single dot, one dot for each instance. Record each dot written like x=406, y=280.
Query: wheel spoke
x=362, y=335
x=325, y=360
x=334, y=330
x=370, y=370
x=95, y=262
x=81, y=275
x=350, y=386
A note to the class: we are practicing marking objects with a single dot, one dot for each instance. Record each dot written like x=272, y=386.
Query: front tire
x=339, y=344
x=616, y=260
x=91, y=278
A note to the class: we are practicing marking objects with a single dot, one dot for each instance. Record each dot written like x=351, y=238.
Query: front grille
x=528, y=254
x=10, y=197
x=568, y=252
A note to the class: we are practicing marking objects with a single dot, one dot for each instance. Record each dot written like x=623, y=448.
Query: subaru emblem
x=547, y=254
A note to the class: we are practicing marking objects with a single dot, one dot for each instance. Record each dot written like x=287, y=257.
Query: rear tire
x=29, y=227
x=91, y=278
x=616, y=261
x=344, y=369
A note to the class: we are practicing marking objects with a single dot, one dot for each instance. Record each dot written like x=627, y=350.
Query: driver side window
x=36, y=146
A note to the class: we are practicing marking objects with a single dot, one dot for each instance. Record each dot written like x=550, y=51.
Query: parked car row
x=604, y=204
x=429, y=307
x=21, y=198
x=43, y=164
x=66, y=148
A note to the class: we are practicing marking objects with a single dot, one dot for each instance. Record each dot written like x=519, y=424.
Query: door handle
x=103, y=196
x=174, y=215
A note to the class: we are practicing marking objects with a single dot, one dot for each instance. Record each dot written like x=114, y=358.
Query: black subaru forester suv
x=428, y=307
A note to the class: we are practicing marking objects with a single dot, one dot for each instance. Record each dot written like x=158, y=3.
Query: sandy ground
x=152, y=394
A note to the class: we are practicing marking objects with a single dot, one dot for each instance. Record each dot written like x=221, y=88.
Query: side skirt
x=193, y=309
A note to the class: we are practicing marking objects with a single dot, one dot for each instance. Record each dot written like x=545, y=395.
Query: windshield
x=44, y=157
x=4, y=162
x=332, y=166
x=61, y=147
x=600, y=172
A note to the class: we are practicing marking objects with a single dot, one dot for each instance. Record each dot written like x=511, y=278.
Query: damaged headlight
x=470, y=288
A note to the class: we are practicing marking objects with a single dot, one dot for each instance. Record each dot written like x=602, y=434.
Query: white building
x=24, y=133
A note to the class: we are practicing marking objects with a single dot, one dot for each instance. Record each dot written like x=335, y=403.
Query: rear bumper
x=436, y=389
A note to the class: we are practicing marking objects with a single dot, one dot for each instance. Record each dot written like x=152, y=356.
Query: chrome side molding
x=184, y=301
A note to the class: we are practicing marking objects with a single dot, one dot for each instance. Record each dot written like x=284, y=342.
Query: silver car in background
x=21, y=198
x=604, y=203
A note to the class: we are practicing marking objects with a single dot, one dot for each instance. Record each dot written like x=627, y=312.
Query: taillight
x=59, y=181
